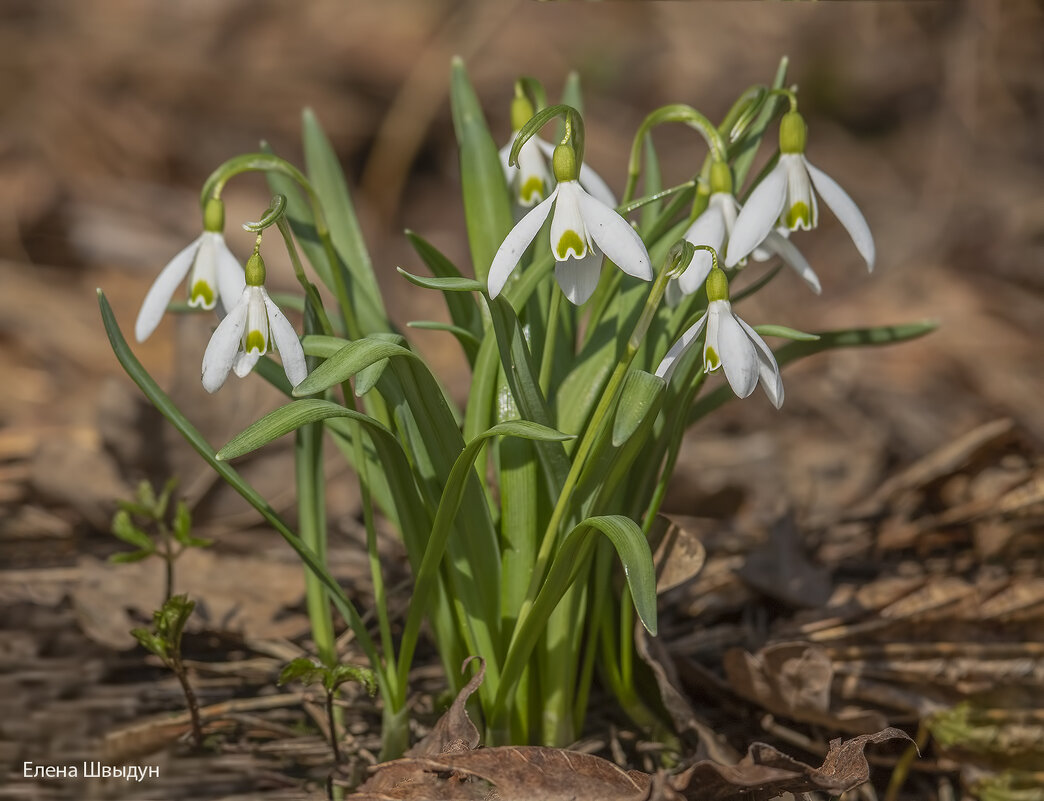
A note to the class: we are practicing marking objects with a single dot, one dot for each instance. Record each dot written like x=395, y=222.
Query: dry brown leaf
x=678, y=553
x=782, y=570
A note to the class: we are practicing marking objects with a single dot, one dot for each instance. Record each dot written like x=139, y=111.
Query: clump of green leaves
x=164, y=640
x=155, y=529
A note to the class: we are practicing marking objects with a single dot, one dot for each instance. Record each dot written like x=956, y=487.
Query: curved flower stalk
x=215, y=275
x=785, y=197
x=714, y=228
x=583, y=229
x=530, y=180
x=730, y=344
x=253, y=326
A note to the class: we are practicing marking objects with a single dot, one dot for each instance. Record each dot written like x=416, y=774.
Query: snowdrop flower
x=785, y=197
x=730, y=344
x=530, y=180
x=583, y=229
x=253, y=326
x=714, y=228
x=214, y=274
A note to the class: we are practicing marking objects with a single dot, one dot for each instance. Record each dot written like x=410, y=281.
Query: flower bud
x=792, y=133
x=255, y=270
x=564, y=163
x=720, y=178
x=214, y=215
x=717, y=286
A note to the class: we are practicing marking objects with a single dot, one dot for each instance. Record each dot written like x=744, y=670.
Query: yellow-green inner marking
x=532, y=190
x=202, y=292
x=255, y=340
x=799, y=213
x=571, y=241
x=711, y=362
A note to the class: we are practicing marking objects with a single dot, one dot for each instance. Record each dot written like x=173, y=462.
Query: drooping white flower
x=583, y=229
x=215, y=275
x=785, y=197
x=714, y=228
x=729, y=344
x=253, y=326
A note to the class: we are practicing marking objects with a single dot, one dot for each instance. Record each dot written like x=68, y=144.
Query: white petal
x=162, y=290
x=244, y=363
x=758, y=216
x=223, y=346
x=287, y=343
x=799, y=192
x=204, y=271
x=257, y=320
x=768, y=370
x=739, y=357
x=579, y=277
x=596, y=187
x=231, y=279
x=708, y=229
x=515, y=244
x=678, y=349
x=775, y=242
x=615, y=237
x=505, y=154
x=569, y=236
x=847, y=212
x=533, y=179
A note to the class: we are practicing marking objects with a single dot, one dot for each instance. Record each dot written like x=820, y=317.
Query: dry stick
x=190, y=696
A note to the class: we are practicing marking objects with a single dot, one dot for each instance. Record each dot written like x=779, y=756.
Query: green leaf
x=452, y=496
x=652, y=185
x=124, y=529
x=170, y=619
x=785, y=333
x=339, y=674
x=289, y=418
x=633, y=550
x=327, y=178
x=367, y=378
x=447, y=283
x=127, y=557
x=182, y=527
x=304, y=670
x=640, y=395
x=827, y=340
x=487, y=207
x=742, y=153
x=166, y=407
x=150, y=642
x=345, y=362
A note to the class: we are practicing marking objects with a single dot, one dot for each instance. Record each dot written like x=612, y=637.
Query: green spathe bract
x=516, y=511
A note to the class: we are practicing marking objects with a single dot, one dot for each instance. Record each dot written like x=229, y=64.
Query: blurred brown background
x=113, y=112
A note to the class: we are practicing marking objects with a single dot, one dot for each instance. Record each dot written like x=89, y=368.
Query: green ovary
x=799, y=213
x=201, y=293
x=571, y=241
x=255, y=340
x=711, y=361
x=532, y=190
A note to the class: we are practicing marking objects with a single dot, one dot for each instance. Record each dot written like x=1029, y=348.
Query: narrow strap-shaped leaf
x=828, y=340
x=449, y=505
x=638, y=398
x=166, y=407
x=742, y=153
x=467, y=340
x=367, y=378
x=327, y=178
x=517, y=363
x=487, y=207
x=449, y=283
x=633, y=550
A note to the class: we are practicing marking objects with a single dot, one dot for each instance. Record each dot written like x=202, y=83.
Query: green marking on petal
x=255, y=340
x=711, y=361
x=202, y=294
x=801, y=214
x=532, y=190
x=571, y=240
